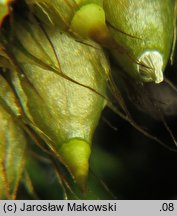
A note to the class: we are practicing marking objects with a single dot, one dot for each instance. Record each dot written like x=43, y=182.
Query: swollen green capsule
x=62, y=91
x=148, y=28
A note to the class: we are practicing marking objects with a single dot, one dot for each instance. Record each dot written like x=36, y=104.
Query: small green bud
x=76, y=154
x=89, y=20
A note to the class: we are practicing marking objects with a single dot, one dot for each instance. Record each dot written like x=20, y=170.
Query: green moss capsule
x=60, y=91
x=148, y=28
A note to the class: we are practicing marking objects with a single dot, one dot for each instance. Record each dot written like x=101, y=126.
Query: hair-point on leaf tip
x=150, y=66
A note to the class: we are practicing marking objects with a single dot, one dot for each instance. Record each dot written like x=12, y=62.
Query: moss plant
x=56, y=79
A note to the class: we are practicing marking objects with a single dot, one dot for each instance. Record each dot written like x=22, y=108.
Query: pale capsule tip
x=150, y=66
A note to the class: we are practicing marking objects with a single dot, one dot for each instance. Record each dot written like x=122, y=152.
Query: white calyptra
x=150, y=66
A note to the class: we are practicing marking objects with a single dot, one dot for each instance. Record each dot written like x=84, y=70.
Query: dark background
x=141, y=168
